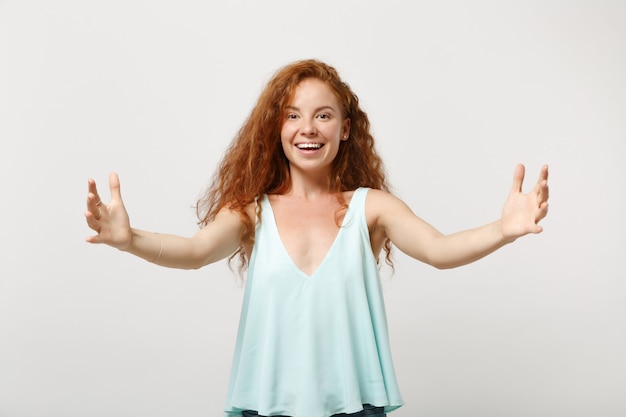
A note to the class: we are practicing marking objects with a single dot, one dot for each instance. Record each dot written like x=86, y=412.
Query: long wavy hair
x=255, y=164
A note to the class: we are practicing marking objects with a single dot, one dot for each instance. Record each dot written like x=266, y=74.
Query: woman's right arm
x=212, y=243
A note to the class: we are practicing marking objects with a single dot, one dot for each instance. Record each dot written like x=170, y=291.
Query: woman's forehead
x=313, y=91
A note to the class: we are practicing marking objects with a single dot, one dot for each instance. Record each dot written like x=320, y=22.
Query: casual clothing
x=313, y=346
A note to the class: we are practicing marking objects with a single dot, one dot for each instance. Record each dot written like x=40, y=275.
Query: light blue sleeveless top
x=313, y=346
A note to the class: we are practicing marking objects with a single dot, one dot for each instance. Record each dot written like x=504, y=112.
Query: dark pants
x=368, y=411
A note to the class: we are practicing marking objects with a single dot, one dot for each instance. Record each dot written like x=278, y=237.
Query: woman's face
x=313, y=127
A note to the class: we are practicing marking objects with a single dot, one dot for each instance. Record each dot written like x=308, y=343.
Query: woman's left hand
x=523, y=212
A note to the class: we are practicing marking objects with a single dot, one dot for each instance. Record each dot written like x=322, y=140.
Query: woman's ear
x=345, y=131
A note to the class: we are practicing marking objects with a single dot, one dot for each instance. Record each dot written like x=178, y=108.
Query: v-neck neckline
x=330, y=248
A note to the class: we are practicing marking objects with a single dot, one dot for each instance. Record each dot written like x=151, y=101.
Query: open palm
x=110, y=222
x=523, y=212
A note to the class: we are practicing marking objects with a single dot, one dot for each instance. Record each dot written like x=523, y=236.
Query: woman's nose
x=308, y=128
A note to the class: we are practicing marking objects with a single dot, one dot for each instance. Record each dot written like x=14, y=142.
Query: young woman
x=302, y=200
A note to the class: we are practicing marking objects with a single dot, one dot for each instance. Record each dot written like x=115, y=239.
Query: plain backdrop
x=457, y=92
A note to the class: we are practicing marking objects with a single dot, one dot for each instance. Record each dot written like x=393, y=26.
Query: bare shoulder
x=383, y=209
x=233, y=218
x=379, y=201
x=378, y=207
x=380, y=196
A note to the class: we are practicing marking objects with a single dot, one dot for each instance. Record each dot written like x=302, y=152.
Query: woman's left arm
x=418, y=239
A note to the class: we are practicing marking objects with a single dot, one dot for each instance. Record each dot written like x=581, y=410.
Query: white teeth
x=309, y=145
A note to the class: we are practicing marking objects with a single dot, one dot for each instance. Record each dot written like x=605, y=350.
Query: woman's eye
x=323, y=116
x=291, y=116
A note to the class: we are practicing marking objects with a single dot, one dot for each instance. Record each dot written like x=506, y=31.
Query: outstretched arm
x=412, y=235
x=111, y=223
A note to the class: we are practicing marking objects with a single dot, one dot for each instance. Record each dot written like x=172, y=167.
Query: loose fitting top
x=313, y=346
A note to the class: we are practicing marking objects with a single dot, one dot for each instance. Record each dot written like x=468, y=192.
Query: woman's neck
x=308, y=187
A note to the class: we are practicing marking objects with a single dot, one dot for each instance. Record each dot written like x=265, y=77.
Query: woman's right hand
x=110, y=222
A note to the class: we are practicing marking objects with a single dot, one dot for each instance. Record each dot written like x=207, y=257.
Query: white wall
x=458, y=93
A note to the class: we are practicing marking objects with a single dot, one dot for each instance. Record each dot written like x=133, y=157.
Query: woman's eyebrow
x=326, y=107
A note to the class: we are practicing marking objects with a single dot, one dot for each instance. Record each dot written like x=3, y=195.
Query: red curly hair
x=255, y=164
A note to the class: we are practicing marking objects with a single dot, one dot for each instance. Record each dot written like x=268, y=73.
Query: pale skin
x=311, y=134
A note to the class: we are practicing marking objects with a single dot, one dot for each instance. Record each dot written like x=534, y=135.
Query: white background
x=457, y=92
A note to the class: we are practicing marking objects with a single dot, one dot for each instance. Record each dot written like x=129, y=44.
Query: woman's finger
x=92, y=222
x=543, y=178
x=114, y=186
x=518, y=178
x=94, y=206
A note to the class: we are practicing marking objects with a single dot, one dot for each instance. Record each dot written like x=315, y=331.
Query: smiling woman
x=301, y=197
x=314, y=126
